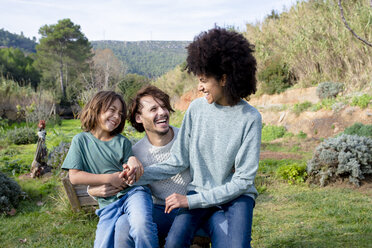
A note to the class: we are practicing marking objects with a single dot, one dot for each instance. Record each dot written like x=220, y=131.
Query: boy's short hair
x=101, y=102
x=135, y=104
x=221, y=52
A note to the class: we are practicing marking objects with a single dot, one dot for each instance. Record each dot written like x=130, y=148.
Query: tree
x=63, y=52
x=130, y=84
x=15, y=65
x=106, y=70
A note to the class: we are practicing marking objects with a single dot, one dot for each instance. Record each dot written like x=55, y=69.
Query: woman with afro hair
x=219, y=141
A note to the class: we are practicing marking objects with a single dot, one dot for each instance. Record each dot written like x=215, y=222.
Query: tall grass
x=313, y=41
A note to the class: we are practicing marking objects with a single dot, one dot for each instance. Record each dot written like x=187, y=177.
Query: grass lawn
x=297, y=215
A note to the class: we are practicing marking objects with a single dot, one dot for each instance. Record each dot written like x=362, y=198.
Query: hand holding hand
x=133, y=170
x=116, y=180
x=175, y=201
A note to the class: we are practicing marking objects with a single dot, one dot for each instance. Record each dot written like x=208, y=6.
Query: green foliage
x=15, y=65
x=270, y=132
x=176, y=82
x=344, y=156
x=361, y=101
x=10, y=193
x=329, y=89
x=58, y=155
x=63, y=53
x=14, y=167
x=293, y=172
x=130, y=84
x=8, y=39
x=148, y=58
x=315, y=44
x=298, y=108
x=22, y=135
x=275, y=77
x=301, y=135
x=359, y=129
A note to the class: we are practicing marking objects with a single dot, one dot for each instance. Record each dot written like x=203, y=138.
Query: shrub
x=14, y=167
x=275, y=77
x=270, y=132
x=361, y=101
x=22, y=135
x=10, y=193
x=329, y=89
x=58, y=155
x=293, y=173
x=360, y=130
x=344, y=156
x=301, y=107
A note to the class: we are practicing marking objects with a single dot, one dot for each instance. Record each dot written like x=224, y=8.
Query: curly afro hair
x=221, y=52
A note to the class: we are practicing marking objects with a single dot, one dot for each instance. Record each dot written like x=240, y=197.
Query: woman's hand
x=175, y=201
x=133, y=170
x=104, y=190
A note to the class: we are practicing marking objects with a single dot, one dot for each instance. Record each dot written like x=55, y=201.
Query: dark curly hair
x=221, y=52
x=135, y=104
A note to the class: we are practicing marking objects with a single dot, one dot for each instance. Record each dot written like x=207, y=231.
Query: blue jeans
x=136, y=204
x=238, y=214
x=163, y=221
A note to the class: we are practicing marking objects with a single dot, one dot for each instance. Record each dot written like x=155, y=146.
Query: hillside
x=148, y=58
x=8, y=39
x=280, y=110
x=304, y=46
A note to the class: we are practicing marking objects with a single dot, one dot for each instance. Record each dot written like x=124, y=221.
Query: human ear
x=138, y=118
x=223, y=80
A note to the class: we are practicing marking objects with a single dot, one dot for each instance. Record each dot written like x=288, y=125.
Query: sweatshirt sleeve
x=246, y=165
x=178, y=160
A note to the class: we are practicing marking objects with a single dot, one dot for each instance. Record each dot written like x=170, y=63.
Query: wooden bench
x=79, y=197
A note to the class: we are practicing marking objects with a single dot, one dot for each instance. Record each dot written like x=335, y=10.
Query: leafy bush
x=361, y=101
x=329, y=89
x=293, y=173
x=58, y=155
x=301, y=107
x=360, y=130
x=275, y=77
x=340, y=157
x=14, y=167
x=22, y=135
x=270, y=132
x=10, y=193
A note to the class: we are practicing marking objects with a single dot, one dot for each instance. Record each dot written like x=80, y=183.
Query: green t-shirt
x=87, y=153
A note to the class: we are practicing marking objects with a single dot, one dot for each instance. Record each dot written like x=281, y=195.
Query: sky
x=134, y=20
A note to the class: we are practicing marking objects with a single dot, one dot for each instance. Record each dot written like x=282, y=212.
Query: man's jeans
x=164, y=222
x=238, y=214
x=136, y=204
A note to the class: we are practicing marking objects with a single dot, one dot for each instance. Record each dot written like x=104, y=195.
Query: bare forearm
x=82, y=177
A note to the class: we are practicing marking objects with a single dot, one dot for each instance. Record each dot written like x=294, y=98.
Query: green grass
x=302, y=216
x=285, y=215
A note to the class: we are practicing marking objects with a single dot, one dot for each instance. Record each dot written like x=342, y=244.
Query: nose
x=162, y=111
x=200, y=86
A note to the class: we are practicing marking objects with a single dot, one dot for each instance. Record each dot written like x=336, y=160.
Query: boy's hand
x=103, y=190
x=132, y=171
x=116, y=180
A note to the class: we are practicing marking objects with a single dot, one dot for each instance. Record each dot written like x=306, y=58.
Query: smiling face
x=153, y=115
x=212, y=89
x=110, y=119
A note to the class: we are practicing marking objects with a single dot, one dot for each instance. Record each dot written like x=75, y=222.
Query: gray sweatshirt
x=221, y=145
